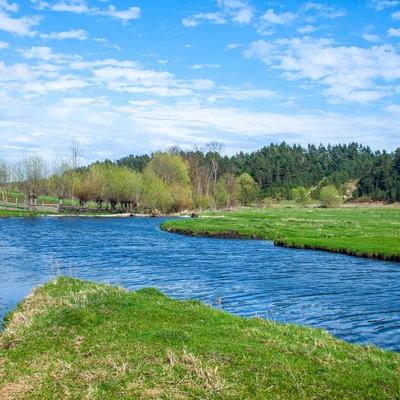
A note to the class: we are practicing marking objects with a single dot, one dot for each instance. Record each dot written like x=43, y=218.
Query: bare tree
x=214, y=151
x=75, y=156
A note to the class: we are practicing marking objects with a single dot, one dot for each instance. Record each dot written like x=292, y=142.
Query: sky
x=134, y=77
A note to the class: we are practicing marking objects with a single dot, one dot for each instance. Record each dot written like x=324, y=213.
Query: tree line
x=174, y=180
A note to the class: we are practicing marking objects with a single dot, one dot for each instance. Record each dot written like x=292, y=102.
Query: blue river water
x=355, y=299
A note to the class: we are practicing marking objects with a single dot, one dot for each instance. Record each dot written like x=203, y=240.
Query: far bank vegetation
x=176, y=180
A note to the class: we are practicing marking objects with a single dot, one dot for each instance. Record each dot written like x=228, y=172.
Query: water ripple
x=355, y=299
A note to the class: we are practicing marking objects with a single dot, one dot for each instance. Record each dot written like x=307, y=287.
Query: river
x=355, y=299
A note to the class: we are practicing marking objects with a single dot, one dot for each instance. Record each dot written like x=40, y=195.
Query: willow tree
x=59, y=179
x=174, y=183
x=247, y=189
x=31, y=172
x=6, y=178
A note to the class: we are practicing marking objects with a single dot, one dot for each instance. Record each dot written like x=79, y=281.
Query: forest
x=174, y=180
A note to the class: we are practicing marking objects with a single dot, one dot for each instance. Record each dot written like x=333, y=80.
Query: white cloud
x=78, y=34
x=73, y=6
x=279, y=19
x=130, y=13
x=63, y=84
x=201, y=66
x=396, y=15
x=8, y=7
x=243, y=16
x=325, y=11
x=79, y=101
x=261, y=49
x=18, y=26
x=233, y=46
x=80, y=7
x=372, y=38
x=247, y=94
x=194, y=20
x=349, y=73
x=393, y=32
x=195, y=84
x=102, y=63
x=382, y=4
x=40, y=5
x=41, y=52
x=192, y=124
x=132, y=75
x=15, y=72
x=230, y=10
x=190, y=22
x=3, y=45
x=306, y=29
x=237, y=11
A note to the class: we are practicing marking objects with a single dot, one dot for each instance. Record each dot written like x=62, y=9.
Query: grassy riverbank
x=369, y=232
x=75, y=339
x=12, y=213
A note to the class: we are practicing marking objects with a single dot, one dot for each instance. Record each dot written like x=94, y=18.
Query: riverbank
x=77, y=339
x=372, y=232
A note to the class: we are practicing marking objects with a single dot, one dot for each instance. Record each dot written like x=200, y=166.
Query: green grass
x=368, y=232
x=20, y=212
x=76, y=339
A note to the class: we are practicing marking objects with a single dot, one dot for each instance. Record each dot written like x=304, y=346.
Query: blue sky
x=132, y=77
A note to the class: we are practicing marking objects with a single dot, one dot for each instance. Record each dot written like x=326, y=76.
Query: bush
x=330, y=197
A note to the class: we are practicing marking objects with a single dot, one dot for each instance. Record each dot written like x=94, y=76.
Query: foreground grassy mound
x=366, y=232
x=75, y=339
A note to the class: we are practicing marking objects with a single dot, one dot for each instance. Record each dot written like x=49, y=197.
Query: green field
x=361, y=231
x=15, y=212
x=81, y=340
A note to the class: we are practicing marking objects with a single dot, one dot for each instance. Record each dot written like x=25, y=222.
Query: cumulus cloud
x=280, y=19
x=125, y=15
x=306, y=29
x=41, y=52
x=78, y=34
x=16, y=72
x=8, y=7
x=19, y=26
x=238, y=11
x=73, y=6
x=371, y=38
x=393, y=32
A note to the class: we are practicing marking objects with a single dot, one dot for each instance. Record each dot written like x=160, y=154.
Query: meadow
x=78, y=339
x=372, y=232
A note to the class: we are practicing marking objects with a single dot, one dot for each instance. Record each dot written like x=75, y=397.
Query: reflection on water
x=355, y=299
